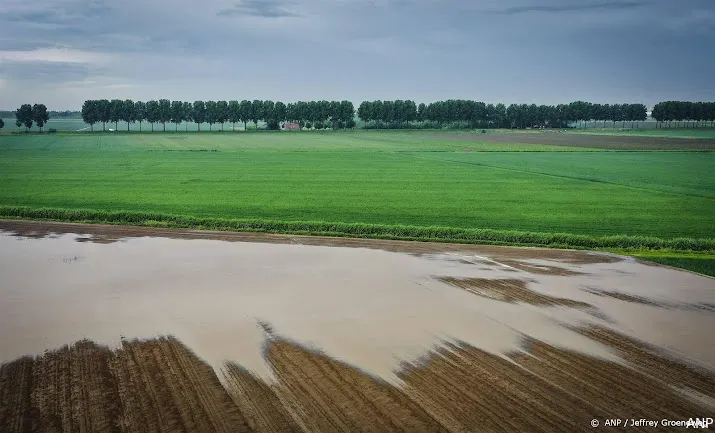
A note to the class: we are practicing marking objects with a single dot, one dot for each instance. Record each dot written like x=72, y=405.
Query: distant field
x=382, y=178
x=653, y=132
x=645, y=129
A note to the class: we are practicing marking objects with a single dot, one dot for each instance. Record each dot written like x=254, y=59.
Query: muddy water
x=363, y=305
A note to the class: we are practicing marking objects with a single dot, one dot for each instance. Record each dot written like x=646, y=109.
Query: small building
x=291, y=127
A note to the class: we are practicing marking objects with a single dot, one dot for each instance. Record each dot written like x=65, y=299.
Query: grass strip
x=361, y=230
x=701, y=265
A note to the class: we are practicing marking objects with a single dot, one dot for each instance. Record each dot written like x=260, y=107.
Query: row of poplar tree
x=479, y=114
x=689, y=113
x=163, y=111
x=376, y=114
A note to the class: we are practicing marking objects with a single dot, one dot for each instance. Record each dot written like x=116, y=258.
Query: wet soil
x=609, y=142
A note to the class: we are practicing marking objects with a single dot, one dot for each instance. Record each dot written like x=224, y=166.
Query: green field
x=380, y=182
x=704, y=264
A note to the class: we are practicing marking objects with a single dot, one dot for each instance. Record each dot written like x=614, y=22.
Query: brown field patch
x=146, y=386
x=608, y=142
x=538, y=269
x=510, y=290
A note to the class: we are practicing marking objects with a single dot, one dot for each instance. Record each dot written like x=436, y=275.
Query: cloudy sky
x=61, y=52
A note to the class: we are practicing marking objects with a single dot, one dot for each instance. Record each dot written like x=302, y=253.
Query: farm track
x=159, y=385
x=607, y=142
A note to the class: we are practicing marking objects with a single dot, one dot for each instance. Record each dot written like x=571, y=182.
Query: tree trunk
x=244, y=126
x=116, y=125
x=186, y=126
x=152, y=126
x=177, y=127
x=234, y=126
x=140, y=126
x=104, y=126
x=164, y=123
x=199, y=126
x=127, y=126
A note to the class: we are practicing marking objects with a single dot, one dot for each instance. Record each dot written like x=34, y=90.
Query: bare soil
x=146, y=386
x=509, y=290
x=159, y=385
x=610, y=142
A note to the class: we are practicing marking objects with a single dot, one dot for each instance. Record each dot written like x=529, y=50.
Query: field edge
x=622, y=243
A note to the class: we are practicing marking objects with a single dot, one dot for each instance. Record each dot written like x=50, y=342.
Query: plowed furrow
x=16, y=412
x=649, y=361
x=334, y=396
x=258, y=402
x=95, y=404
x=612, y=389
x=210, y=407
x=490, y=391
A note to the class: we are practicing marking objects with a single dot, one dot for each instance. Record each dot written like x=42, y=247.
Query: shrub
x=51, y=131
x=308, y=125
x=319, y=125
x=350, y=124
x=273, y=125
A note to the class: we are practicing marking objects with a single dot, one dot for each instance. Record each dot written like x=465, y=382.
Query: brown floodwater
x=374, y=308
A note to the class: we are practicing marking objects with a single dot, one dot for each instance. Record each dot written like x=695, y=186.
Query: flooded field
x=108, y=328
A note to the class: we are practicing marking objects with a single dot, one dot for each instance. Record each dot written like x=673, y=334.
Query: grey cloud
x=259, y=8
x=46, y=72
x=380, y=49
x=60, y=13
x=606, y=5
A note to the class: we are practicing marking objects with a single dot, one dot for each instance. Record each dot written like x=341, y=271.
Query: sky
x=62, y=52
